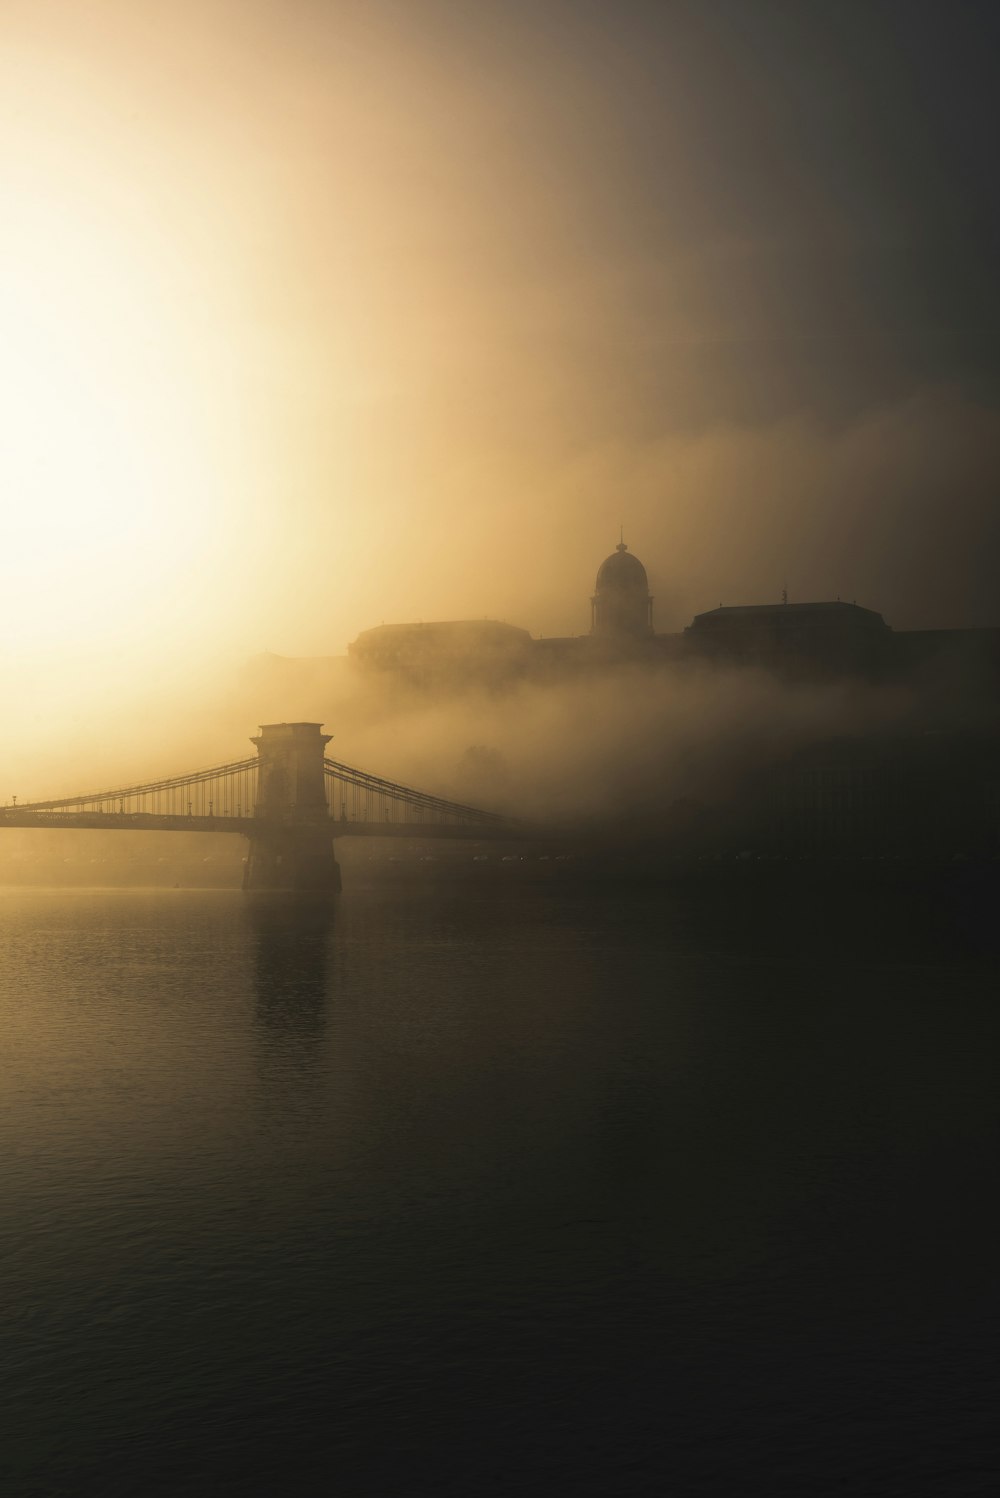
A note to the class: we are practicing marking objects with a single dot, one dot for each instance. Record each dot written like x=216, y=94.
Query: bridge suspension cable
x=356, y=796
x=222, y=791
x=230, y=791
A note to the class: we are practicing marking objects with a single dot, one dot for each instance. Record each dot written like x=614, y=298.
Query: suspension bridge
x=289, y=799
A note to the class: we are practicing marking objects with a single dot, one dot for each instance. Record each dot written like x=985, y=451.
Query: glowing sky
x=319, y=314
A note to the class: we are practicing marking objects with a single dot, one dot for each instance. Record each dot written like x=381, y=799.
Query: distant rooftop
x=792, y=615
x=444, y=627
x=439, y=641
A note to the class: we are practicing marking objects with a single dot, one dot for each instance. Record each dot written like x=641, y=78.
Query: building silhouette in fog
x=802, y=640
x=839, y=638
x=930, y=784
x=928, y=787
x=621, y=605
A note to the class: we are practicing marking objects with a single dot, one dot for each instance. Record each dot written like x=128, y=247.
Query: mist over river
x=497, y=1187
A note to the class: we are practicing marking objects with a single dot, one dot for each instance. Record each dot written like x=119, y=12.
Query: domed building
x=621, y=604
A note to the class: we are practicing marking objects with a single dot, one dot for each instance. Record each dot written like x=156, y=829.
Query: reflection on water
x=290, y=942
x=502, y=1190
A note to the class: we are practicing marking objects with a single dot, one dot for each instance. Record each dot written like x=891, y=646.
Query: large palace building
x=801, y=640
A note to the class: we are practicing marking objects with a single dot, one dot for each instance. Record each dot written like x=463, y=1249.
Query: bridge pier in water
x=293, y=848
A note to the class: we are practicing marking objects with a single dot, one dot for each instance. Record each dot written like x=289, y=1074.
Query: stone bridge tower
x=293, y=849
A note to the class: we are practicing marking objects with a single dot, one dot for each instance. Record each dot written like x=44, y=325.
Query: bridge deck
x=251, y=826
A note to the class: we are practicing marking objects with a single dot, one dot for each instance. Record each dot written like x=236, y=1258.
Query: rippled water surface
x=493, y=1190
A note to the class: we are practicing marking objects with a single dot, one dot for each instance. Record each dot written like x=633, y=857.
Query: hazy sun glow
x=99, y=444
x=313, y=316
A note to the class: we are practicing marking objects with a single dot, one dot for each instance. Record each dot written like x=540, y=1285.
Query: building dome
x=621, y=604
x=622, y=569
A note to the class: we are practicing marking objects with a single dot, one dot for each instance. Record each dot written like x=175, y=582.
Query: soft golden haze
x=500, y=750
x=316, y=315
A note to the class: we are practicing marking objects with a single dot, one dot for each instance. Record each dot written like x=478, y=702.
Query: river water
x=491, y=1188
